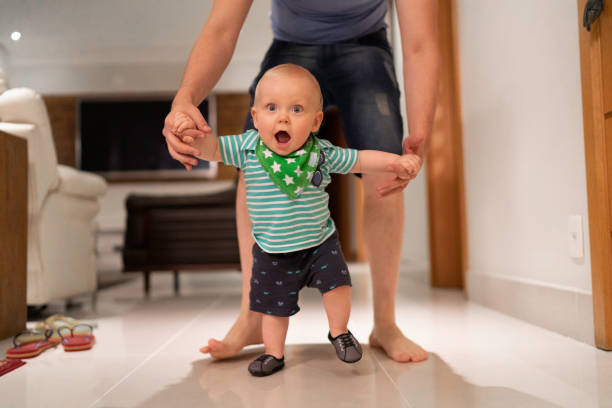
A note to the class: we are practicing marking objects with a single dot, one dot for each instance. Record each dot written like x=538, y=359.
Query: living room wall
x=112, y=47
x=70, y=50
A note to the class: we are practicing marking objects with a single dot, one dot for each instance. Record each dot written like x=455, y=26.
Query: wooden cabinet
x=13, y=233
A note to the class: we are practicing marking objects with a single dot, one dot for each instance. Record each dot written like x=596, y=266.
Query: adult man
x=344, y=45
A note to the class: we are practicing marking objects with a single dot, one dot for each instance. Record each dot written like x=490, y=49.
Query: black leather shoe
x=347, y=347
x=266, y=364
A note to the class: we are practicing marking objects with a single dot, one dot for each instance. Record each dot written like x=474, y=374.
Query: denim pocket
x=377, y=39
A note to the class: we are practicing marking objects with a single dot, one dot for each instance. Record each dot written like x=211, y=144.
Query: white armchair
x=62, y=204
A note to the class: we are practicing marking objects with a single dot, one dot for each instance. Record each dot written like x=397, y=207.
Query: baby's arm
x=207, y=145
x=374, y=161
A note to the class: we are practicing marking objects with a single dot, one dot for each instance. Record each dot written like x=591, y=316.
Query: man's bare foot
x=246, y=331
x=396, y=345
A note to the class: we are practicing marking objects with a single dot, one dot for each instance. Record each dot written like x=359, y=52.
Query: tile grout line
x=158, y=350
x=391, y=379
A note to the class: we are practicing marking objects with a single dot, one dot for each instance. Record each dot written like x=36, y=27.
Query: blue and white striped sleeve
x=232, y=153
x=338, y=159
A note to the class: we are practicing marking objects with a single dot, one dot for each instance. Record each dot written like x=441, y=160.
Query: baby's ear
x=317, y=121
x=254, y=116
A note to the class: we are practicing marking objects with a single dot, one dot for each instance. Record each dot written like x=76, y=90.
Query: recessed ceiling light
x=15, y=36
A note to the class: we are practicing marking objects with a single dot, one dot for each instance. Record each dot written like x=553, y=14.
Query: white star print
x=276, y=167
x=290, y=160
x=267, y=153
x=288, y=180
x=309, y=175
x=298, y=190
x=298, y=171
x=300, y=152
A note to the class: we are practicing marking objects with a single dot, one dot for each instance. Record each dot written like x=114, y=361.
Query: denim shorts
x=358, y=77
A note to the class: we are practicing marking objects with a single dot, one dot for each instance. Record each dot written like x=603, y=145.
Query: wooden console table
x=13, y=233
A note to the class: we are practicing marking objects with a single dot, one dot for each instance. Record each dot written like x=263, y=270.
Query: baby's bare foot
x=396, y=345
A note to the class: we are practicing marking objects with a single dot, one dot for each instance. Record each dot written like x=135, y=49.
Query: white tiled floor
x=147, y=356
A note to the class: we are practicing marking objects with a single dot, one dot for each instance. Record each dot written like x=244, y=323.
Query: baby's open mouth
x=282, y=137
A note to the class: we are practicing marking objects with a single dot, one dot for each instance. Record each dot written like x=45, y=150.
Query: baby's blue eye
x=296, y=109
x=271, y=107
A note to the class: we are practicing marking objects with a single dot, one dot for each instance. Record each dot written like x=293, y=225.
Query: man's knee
x=372, y=181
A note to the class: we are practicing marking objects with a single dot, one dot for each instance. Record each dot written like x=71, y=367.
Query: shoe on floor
x=31, y=343
x=266, y=364
x=347, y=347
x=77, y=338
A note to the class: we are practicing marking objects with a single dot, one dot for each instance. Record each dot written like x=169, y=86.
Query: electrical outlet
x=575, y=244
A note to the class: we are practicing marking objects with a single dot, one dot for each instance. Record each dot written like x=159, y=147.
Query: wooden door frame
x=598, y=177
x=445, y=175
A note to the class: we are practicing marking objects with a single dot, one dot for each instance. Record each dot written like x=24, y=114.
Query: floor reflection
x=313, y=377
x=434, y=384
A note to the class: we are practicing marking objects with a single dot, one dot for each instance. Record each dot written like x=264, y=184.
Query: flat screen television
x=122, y=140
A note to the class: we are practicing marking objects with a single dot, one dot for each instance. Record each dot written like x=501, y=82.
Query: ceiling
x=64, y=38
x=92, y=30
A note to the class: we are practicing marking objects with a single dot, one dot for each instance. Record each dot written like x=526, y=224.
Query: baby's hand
x=183, y=123
x=407, y=166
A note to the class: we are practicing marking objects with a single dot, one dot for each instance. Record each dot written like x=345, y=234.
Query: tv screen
x=123, y=140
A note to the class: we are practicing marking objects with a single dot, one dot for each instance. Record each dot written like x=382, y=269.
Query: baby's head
x=288, y=106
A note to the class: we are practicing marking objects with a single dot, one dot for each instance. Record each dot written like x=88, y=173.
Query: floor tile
x=146, y=355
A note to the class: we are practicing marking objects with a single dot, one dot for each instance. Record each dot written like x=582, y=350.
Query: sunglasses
x=317, y=177
x=78, y=330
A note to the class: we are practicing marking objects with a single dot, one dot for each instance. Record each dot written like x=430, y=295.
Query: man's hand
x=414, y=145
x=182, y=126
x=406, y=168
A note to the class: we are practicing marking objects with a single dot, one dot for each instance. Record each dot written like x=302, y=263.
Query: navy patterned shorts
x=277, y=278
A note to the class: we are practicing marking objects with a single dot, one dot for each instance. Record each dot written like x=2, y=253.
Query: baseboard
x=415, y=270
x=563, y=310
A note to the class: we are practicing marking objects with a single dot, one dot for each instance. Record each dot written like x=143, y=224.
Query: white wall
x=116, y=46
x=524, y=156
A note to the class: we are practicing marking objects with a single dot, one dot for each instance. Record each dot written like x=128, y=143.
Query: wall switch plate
x=575, y=244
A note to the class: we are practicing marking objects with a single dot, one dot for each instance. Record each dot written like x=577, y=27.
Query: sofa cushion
x=79, y=183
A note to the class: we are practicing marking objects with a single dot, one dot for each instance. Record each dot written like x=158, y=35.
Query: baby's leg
x=338, y=308
x=337, y=304
x=274, y=331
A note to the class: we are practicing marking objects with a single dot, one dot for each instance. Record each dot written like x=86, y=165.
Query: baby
x=286, y=169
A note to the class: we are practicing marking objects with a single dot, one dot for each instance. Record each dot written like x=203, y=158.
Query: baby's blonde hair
x=293, y=69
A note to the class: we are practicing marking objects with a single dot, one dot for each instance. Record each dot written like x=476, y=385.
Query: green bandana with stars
x=293, y=172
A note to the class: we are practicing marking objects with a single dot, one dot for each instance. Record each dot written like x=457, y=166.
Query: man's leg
x=383, y=226
x=247, y=328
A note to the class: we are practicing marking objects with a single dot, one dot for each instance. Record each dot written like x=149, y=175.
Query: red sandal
x=77, y=338
x=31, y=343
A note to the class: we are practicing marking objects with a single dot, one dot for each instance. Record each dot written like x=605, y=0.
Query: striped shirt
x=282, y=224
